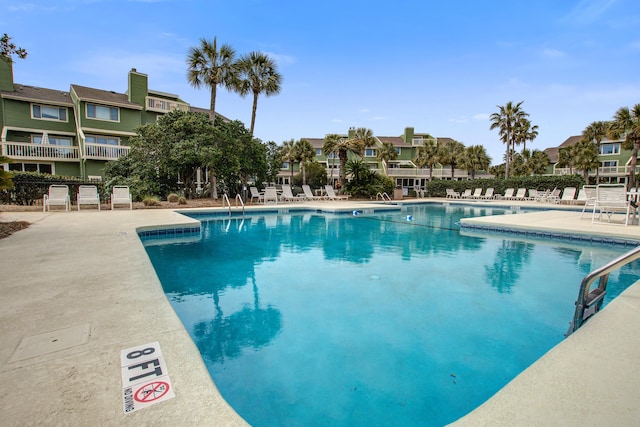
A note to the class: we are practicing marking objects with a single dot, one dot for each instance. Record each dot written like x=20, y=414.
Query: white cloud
x=377, y=118
x=364, y=110
x=553, y=53
x=481, y=116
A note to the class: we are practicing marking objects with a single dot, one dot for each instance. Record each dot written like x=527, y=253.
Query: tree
x=450, y=153
x=258, y=75
x=475, y=158
x=304, y=153
x=210, y=67
x=524, y=132
x=626, y=122
x=274, y=161
x=288, y=154
x=386, y=152
x=566, y=156
x=427, y=156
x=5, y=176
x=596, y=132
x=585, y=157
x=8, y=49
x=506, y=120
x=355, y=145
x=329, y=149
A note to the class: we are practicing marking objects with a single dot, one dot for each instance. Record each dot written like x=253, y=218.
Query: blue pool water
x=308, y=319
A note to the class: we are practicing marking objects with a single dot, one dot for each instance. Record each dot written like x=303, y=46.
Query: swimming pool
x=371, y=319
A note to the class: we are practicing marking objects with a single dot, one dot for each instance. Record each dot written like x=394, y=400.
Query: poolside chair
x=611, y=199
x=452, y=194
x=589, y=196
x=255, y=194
x=58, y=196
x=309, y=194
x=532, y=194
x=508, y=194
x=88, y=195
x=270, y=195
x=488, y=194
x=520, y=194
x=568, y=195
x=331, y=194
x=287, y=194
x=466, y=194
x=120, y=195
x=477, y=193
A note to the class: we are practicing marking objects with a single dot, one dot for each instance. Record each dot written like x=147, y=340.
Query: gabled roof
x=206, y=111
x=104, y=97
x=38, y=94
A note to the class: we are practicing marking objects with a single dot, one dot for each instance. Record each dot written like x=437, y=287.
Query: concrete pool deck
x=89, y=270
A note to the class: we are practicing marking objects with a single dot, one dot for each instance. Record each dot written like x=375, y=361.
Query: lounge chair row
x=58, y=195
x=271, y=194
x=522, y=194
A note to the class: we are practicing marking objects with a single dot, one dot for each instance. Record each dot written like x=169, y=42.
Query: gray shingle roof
x=104, y=97
x=38, y=94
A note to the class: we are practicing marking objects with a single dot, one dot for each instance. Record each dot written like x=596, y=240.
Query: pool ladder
x=384, y=196
x=226, y=202
x=590, y=301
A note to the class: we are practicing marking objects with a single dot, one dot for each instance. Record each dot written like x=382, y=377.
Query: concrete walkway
x=84, y=278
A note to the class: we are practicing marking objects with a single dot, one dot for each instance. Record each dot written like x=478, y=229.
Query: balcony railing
x=25, y=150
x=105, y=152
x=603, y=171
x=164, y=105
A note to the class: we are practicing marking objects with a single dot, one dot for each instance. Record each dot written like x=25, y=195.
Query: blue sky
x=440, y=67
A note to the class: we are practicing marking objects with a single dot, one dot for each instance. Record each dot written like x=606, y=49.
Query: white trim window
x=102, y=112
x=48, y=112
x=31, y=167
x=608, y=149
x=399, y=150
x=103, y=140
x=370, y=152
x=52, y=140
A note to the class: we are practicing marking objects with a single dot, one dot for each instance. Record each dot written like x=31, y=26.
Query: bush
x=173, y=198
x=182, y=200
x=151, y=201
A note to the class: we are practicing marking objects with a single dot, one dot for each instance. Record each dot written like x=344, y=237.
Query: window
x=52, y=140
x=610, y=164
x=285, y=165
x=47, y=112
x=318, y=151
x=370, y=152
x=610, y=149
x=101, y=112
x=31, y=167
x=398, y=150
x=104, y=140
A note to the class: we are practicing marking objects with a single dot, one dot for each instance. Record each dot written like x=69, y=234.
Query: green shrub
x=182, y=200
x=151, y=201
x=172, y=198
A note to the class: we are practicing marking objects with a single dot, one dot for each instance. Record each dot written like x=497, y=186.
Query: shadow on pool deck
x=70, y=270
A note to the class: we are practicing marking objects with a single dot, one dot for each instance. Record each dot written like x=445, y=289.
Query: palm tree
x=450, y=153
x=304, y=152
x=288, y=153
x=525, y=132
x=538, y=162
x=427, y=156
x=209, y=67
x=258, y=74
x=585, y=157
x=361, y=139
x=386, y=152
x=506, y=121
x=596, y=132
x=627, y=122
x=329, y=149
x=475, y=158
x=566, y=156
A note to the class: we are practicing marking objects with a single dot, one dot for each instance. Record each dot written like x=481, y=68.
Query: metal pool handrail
x=589, y=301
x=226, y=202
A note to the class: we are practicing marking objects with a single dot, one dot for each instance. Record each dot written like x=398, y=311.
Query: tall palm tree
x=596, y=132
x=288, y=153
x=330, y=149
x=566, y=156
x=585, y=157
x=427, y=156
x=304, y=152
x=524, y=132
x=386, y=152
x=506, y=120
x=475, y=158
x=210, y=67
x=258, y=74
x=355, y=145
x=451, y=154
x=626, y=122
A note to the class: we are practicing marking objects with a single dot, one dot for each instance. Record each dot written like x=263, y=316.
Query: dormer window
x=48, y=112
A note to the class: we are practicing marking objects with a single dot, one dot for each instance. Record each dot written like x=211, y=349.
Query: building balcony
x=105, y=152
x=606, y=171
x=161, y=105
x=29, y=151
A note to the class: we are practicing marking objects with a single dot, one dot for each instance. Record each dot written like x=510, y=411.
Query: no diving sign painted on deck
x=145, y=378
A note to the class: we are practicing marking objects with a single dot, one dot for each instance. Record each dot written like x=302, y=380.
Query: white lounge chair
x=270, y=195
x=508, y=194
x=588, y=194
x=568, y=195
x=520, y=194
x=611, y=199
x=331, y=194
x=88, y=195
x=120, y=195
x=58, y=196
x=466, y=194
x=477, y=193
x=287, y=194
x=309, y=194
x=255, y=194
x=452, y=194
x=488, y=194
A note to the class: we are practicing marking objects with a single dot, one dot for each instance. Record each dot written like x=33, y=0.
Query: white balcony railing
x=105, y=152
x=25, y=150
x=603, y=171
x=164, y=106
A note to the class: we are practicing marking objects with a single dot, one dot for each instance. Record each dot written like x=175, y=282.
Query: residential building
x=74, y=133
